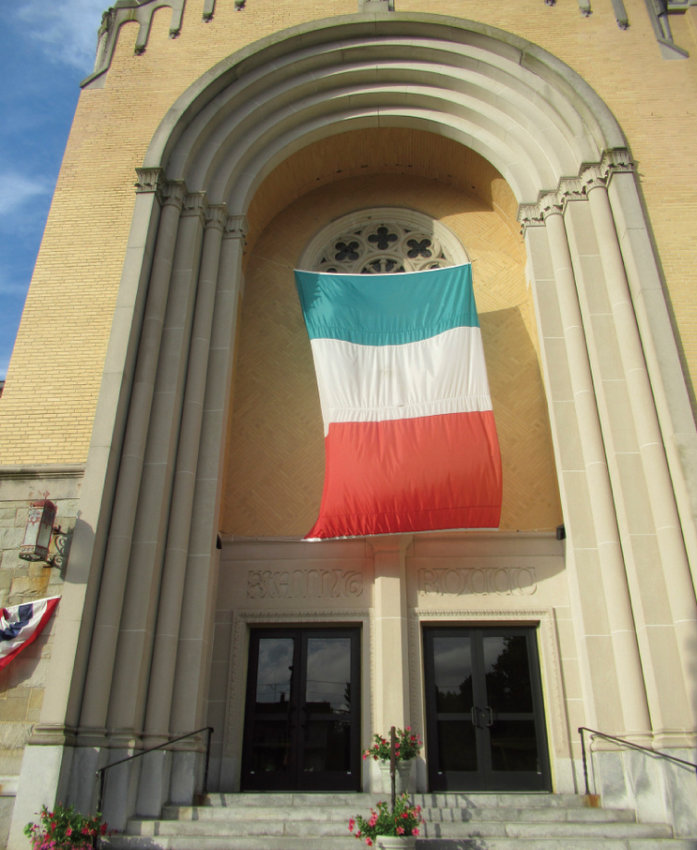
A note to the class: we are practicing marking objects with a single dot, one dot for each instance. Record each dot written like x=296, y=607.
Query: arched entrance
x=590, y=266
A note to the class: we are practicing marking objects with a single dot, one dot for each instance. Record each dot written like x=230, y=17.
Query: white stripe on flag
x=364, y=383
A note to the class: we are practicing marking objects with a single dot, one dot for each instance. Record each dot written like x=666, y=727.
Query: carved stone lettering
x=304, y=584
x=499, y=581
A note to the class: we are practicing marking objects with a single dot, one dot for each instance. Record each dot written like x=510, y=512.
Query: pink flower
x=415, y=831
x=369, y=842
x=400, y=830
x=352, y=823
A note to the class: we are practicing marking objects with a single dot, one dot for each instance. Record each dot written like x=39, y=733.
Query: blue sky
x=46, y=48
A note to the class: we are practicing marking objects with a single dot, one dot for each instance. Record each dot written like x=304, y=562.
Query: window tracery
x=383, y=241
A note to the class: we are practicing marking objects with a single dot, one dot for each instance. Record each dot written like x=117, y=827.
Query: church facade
x=217, y=147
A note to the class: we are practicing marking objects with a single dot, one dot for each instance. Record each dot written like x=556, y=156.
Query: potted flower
x=64, y=828
x=407, y=747
x=389, y=829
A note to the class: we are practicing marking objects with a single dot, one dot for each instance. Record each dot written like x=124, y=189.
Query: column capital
x=216, y=216
x=235, y=227
x=173, y=193
x=194, y=204
x=591, y=176
x=149, y=180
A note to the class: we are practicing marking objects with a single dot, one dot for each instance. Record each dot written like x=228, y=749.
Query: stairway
x=454, y=821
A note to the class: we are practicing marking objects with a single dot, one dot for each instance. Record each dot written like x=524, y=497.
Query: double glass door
x=302, y=719
x=484, y=711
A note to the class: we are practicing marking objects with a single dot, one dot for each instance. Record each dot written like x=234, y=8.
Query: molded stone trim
x=255, y=85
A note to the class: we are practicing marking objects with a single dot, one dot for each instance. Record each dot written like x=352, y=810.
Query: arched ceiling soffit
x=513, y=103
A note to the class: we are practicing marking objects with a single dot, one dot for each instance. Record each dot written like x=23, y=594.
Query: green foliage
x=403, y=820
x=407, y=746
x=64, y=828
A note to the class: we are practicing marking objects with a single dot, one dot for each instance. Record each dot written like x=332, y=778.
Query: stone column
x=390, y=681
x=50, y=754
x=673, y=709
x=132, y=669
x=659, y=348
x=196, y=628
x=619, y=699
x=154, y=784
x=104, y=638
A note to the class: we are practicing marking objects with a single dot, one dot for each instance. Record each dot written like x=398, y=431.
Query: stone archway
x=620, y=415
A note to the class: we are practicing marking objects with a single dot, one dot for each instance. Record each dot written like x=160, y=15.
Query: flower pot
x=402, y=776
x=395, y=842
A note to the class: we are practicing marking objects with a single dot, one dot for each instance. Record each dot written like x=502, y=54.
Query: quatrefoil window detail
x=419, y=248
x=346, y=252
x=383, y=240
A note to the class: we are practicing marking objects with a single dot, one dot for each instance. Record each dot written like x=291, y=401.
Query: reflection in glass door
x=484, y=711
x=302, y=720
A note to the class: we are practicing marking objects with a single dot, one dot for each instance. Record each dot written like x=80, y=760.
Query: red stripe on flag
x=399, y=475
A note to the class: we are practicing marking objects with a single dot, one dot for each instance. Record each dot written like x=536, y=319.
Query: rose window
x=383, y=241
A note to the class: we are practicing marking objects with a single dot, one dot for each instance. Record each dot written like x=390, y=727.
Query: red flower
x=415, y=831
x=369, y=842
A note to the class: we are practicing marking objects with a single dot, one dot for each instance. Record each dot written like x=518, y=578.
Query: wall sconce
x=37, y=535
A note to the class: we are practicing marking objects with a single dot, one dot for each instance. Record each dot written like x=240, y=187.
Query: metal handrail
x=631, y=745
x=102, y=770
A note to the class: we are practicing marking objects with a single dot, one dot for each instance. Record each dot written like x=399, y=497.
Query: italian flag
x=410, y=439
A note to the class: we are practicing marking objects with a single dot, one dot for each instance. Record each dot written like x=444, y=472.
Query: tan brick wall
x=53, y=381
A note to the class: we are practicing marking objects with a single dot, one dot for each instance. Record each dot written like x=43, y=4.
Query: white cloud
x=16, y=190
x=66, y=28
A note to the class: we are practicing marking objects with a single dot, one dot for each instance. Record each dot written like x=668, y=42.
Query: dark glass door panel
x=302, y=715
x=484, y=710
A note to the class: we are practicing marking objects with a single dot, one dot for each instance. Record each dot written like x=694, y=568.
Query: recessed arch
x=523, y=110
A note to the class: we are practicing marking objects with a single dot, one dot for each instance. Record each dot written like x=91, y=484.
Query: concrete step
x=484, y=829
x=341, y=813
x=232, y=842
x=454, y=821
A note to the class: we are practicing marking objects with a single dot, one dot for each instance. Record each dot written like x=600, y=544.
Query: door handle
x=482, y=717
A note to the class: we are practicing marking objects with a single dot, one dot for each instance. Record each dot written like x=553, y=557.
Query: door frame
x=300, y=632
x=540, y=710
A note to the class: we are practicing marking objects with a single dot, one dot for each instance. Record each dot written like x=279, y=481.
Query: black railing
x=393, y=764
x=102, y=770
x=654, y=753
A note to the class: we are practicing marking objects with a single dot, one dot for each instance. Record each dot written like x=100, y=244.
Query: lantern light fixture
x=37, y=535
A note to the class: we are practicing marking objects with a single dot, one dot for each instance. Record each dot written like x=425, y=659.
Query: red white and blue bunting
x=20, y=625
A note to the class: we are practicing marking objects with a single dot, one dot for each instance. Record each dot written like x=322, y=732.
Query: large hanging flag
x=20, y=625
x=410, y=439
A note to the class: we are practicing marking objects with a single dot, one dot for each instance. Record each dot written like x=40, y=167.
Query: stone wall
x=22, y=681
